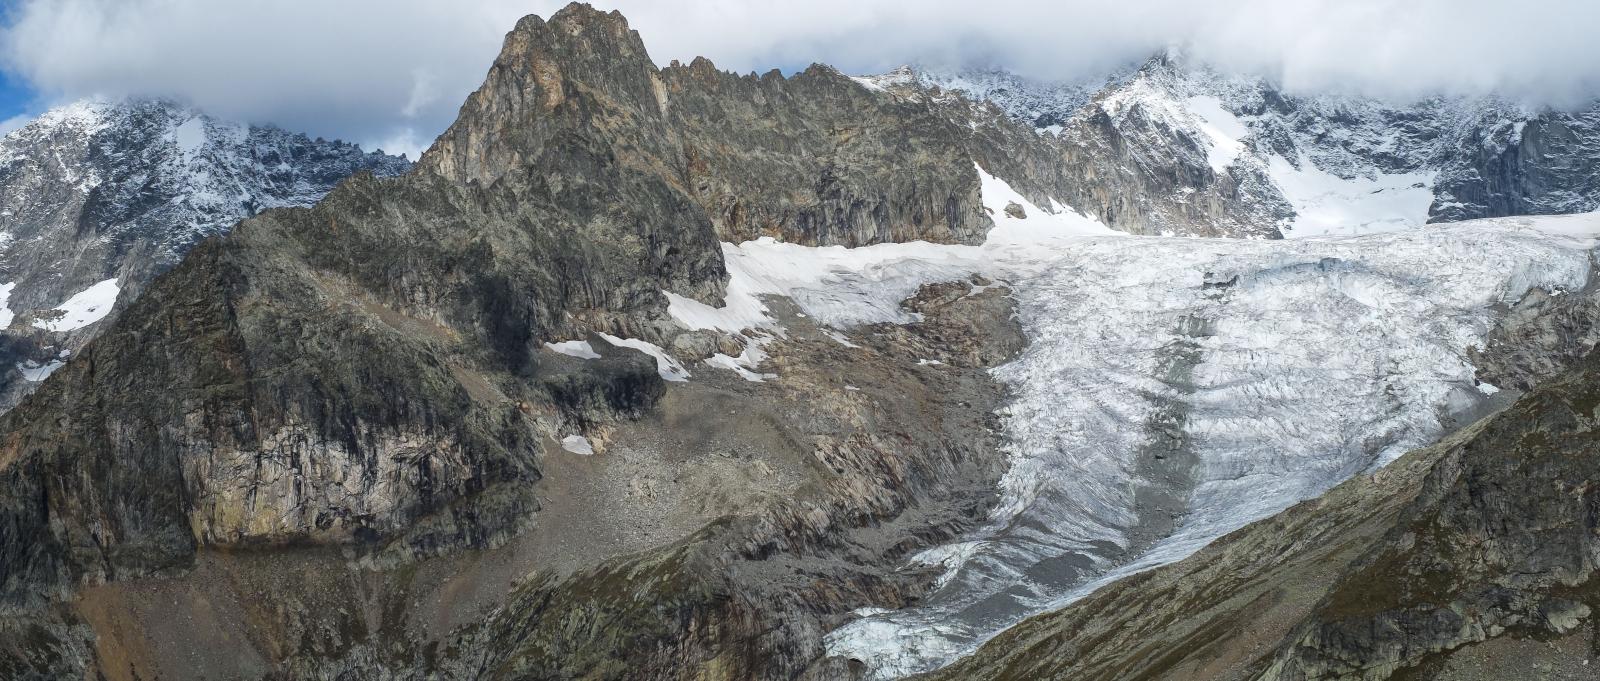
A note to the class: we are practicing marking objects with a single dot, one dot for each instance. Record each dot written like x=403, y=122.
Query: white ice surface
x=1309, y=361
x=84, y=308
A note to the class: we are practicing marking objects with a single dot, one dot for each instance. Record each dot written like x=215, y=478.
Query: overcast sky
x=393, y=72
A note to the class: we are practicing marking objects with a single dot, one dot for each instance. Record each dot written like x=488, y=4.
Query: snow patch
x=577, y=444
x=84, y=308
x=191, y=136
x=6, y=315
x=1221, y=127
x=839, y=338
x=748, y=361
x=574, y=348
x=36, y=372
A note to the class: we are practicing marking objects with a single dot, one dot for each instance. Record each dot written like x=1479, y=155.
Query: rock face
x=1129, y=158
x=812, y=159
x=110, y=194
x=1174, y=146
x=1513, y=161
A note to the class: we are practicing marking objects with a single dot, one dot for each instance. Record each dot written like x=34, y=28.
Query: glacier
x=1274, y=369
x=1173, y=389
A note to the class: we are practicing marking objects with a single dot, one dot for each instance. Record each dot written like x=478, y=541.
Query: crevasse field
x=1276, y=369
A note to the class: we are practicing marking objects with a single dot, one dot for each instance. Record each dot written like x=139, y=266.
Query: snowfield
x=1274, y=369
x=84, y=307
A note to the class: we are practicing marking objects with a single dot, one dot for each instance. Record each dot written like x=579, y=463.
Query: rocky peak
x=579, y=72
x=812, y=158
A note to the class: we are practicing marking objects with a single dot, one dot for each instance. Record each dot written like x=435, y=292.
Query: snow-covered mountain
x=97, y=197
x=1045, y=105
x=1305, y=165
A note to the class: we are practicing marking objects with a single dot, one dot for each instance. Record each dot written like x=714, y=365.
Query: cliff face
x=1511, y=161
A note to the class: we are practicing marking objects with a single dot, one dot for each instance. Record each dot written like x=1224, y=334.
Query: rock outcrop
x=1510, y=160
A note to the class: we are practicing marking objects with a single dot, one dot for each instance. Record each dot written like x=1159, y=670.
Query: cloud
x=395, y=71
x=14, y=123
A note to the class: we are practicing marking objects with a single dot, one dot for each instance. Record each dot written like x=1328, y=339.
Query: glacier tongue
x=1177, y=389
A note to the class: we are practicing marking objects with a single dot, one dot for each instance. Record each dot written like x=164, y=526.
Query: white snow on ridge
x=574, y=348
x=83, y=308
x=868, y=83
